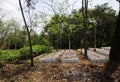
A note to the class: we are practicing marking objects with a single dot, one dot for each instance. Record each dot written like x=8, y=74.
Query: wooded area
x=81, y=29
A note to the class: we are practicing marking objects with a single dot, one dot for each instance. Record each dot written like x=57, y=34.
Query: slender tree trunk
x=60, y=36
x=85, y=24
x=3, y=43
x=60, y=41
x=101, y=41
x=28, y=33
x=57, y=42
x=115, y=47
x=69, y=42
x=15, y=40
x=94, y=38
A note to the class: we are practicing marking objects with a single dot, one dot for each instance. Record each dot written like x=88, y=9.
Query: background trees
x=61, y=26
x=105, y=20
x=102, y=17
x=70, y=27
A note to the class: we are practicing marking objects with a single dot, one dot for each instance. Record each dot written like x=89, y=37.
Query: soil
x=83, y=71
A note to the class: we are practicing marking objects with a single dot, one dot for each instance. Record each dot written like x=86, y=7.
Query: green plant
x=37, y=50
x=0, y=53
x=26, y=62
x=23, y=53
x=9, y=55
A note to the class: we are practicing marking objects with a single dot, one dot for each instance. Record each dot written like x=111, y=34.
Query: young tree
x=85, y=23
x=14, y=25
x=28, y=30
x=56, y=7
x=5, y=28
x=3, y=33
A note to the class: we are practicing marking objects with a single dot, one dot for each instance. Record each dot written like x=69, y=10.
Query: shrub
x=37, y=50
x=23, y=53
x=9, y=55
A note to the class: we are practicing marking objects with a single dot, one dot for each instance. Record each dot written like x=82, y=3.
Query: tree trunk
x=15, y=40
x=115, y=47
x=28, y=33
x=3, y=43
x=57, y=44
x=101, y=41
x=69, y=42
x=60, y=36
x=94, y=38
x=85, y=24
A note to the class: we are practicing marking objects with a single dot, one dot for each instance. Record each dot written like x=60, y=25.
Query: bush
x=9, y=55
x=37, y=50
x=23, y=53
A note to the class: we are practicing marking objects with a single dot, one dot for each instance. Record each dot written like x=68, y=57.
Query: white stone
x=96, y=57
x=106, y=48
x=104, y=52
x=69, y=57
x=51, y=57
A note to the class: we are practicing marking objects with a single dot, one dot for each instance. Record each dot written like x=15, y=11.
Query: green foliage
x=11, y=35
x=9, y=55
x=26, y=62
x=37, y=49
x=104, y=19
x=61, y=26
x=23, y=53
x=0, y=53
x=16, y=39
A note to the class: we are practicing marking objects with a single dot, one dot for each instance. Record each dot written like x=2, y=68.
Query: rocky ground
x=82, y=71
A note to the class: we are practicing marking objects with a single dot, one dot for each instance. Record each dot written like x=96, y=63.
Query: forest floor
x=82, y=71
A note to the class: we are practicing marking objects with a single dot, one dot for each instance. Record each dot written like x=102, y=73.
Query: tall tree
x=103, y=21
x=28, y=31
x=71, y=27
x=85, y=23
x=14, y=25
x=115, y=47
x=57, y=7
